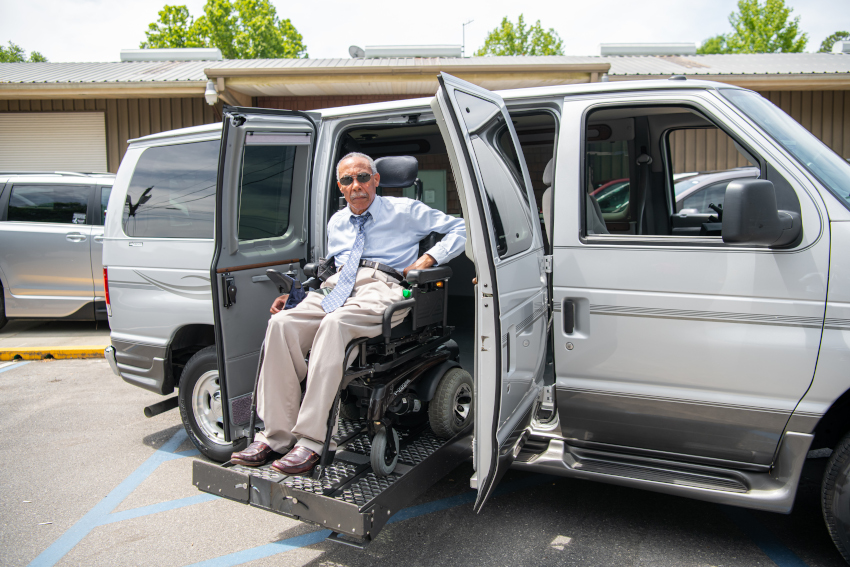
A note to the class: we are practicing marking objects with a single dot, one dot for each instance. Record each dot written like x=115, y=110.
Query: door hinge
x=547, y=264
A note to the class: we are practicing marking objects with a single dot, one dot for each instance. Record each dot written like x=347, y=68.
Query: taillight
x=106, y=292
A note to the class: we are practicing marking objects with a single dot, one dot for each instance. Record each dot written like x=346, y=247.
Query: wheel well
x=186, y=342
x=834, y=424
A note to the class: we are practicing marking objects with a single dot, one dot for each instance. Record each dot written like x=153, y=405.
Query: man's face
x=359, y=195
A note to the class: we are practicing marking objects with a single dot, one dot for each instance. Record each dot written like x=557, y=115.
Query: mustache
x=358, y=195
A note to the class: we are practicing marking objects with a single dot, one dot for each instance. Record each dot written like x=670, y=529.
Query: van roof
x=512, y=94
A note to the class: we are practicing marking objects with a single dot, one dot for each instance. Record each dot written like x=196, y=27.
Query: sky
x=97, y=30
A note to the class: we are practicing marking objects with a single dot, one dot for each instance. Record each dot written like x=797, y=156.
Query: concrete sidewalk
x=37, y=339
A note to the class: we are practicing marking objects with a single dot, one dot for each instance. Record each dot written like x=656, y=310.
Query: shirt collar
x=373, y=209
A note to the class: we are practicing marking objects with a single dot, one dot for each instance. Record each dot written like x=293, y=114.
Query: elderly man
x=371, y=241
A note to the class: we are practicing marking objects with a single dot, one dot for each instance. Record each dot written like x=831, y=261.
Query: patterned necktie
x=348, y=275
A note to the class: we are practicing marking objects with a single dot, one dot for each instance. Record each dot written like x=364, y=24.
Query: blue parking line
x=284, y=545
x=13, y=366
x=102, y=509
x=156, y=508
x=762, y=537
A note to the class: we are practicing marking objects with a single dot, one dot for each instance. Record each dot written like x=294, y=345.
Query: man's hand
x=425, y=261
x=277, y=304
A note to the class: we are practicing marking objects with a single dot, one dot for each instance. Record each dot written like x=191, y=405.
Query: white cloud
x=96, y=30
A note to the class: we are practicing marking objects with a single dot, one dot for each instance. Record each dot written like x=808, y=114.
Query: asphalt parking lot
x=88, y=480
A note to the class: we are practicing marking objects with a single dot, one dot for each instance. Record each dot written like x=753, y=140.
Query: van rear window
x=172, y=192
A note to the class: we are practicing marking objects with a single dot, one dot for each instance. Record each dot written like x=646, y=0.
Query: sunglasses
x=347, y=180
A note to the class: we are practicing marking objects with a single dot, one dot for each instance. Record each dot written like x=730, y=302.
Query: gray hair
x=357, y=155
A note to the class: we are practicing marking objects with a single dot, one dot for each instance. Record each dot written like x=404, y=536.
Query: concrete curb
x=58, y=352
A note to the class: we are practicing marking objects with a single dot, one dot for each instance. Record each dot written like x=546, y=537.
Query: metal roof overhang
x=141, y=89
x=764, y=82
x=401, y=81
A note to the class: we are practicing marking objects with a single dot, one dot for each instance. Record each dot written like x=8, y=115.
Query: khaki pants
x=291, y=334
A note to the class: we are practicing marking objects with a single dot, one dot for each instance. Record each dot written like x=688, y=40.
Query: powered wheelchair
x=405, y=383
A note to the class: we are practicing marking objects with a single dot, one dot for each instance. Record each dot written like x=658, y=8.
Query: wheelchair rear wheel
x=451, y=409
x=384, y=453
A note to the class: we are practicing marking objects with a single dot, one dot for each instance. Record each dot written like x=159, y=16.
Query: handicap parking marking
x=763, y=537
x=13, y=364
x=102, y=511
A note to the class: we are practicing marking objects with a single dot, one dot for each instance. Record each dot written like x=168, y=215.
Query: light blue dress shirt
x=394, y=231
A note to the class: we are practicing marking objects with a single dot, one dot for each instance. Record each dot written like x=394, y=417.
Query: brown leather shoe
x=298, y=461
x=254, y=455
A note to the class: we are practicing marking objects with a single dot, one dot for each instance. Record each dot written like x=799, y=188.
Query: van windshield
x=827, y=166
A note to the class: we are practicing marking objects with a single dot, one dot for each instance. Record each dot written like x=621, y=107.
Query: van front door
x=505, y=240
x=261, y=222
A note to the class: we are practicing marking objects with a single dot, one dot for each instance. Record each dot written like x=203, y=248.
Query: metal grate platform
x=367, y=489
x=265, y=472
x=421, y=447
x=334, y=476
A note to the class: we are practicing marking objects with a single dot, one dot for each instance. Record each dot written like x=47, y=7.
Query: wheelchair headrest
x=397, y=171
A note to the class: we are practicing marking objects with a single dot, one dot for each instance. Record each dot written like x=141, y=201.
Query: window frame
x=677, y=241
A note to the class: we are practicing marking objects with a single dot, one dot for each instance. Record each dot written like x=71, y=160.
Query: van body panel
x=831, y=378
x=716, y=341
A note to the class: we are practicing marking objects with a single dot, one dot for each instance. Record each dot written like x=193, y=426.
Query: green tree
x=518, y=39
x=826, y=44
x=16, y=54
x=241, y=29
x=759, y=28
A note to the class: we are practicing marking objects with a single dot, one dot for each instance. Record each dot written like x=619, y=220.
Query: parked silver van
x=698, y=354
x=51, y=230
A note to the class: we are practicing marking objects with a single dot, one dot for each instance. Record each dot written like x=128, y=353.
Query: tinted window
x=104, y=200
x=172, y=192
x=49, y=203
x=700, y=200
x=266, y=191
x=608, y=175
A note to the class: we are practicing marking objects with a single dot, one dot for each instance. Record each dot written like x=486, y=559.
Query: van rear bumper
x=142, y=365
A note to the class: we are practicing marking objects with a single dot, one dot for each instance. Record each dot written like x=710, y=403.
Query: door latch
x=547, y=264
x=229, y=285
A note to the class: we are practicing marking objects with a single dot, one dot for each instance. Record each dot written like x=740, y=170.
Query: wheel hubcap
x=462, y=404
x=206, y=406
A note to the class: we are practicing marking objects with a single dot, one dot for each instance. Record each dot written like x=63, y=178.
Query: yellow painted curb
x=42, y=353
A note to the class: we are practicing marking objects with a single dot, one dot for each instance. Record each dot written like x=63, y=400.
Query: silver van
x=51, y=233
x=700, y=353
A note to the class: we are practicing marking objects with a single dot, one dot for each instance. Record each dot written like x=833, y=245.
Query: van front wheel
x=200, y=406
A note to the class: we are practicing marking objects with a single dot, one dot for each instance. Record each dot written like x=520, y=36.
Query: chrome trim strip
x=708, y=316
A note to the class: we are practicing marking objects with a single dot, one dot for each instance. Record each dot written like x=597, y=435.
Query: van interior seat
x=595, y=221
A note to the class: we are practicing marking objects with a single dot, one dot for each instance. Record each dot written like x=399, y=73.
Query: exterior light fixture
x=210, y=94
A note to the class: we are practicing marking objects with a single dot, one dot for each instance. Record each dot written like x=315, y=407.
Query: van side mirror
x=751, y=217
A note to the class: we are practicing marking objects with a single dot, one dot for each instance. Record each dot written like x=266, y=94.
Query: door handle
x=98, y=239
x=75, y=237
x=568, y=309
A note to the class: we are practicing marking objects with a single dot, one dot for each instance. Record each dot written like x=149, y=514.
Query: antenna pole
x=463, y=45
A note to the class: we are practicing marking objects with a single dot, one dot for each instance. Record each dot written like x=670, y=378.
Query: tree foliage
x=241, y=29
x=759, y=28
x=16, y=54
x=826, y=44
x=518, y=39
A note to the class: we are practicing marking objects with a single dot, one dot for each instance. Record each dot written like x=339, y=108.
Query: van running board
x=349, y=499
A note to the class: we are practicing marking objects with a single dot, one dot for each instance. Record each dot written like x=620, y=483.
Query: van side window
x=104, y=201
x=66, y=204
x=172, y=192
x=506, y=195
x=266, y=190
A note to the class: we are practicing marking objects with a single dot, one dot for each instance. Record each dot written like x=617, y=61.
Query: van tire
x=835, y=497
x=451, y=409
x=199, y=398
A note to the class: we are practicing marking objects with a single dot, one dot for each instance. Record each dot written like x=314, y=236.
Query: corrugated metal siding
x=53, y=141
x=703, y=150
x=126, y=118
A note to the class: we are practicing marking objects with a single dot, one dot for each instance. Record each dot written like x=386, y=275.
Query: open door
x=505, y=241
x=262, y=209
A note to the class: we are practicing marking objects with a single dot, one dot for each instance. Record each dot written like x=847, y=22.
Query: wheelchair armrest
x=387, y=327
x=429, y=275
x=311, y=270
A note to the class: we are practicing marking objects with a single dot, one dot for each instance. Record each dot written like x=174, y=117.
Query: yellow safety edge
x=46, y=353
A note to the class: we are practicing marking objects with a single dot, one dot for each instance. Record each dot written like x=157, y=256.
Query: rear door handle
x=568, y=309
x=75, y=237
x=98, y=239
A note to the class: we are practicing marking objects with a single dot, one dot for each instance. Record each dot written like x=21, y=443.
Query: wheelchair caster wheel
x=384, y=453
